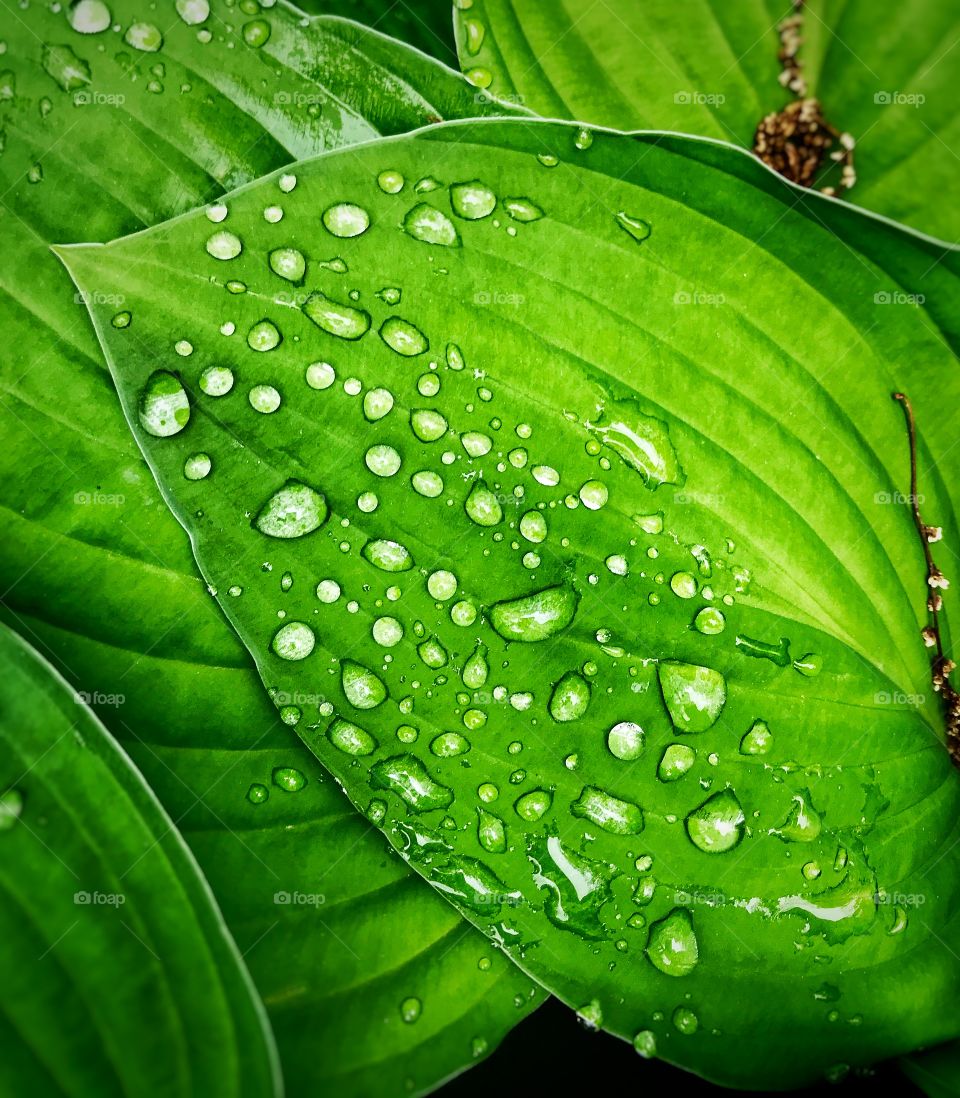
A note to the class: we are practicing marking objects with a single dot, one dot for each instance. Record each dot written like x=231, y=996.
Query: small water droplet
x=164, y=405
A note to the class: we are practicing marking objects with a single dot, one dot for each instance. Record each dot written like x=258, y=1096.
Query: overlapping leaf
x=97, y=573
x=559, y=474
x=119, y=974
x=885, y=75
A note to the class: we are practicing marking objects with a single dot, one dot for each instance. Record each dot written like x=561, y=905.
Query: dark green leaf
x=97, y=573
x=426, y=24
x=119, y=974
x=886, y=75
x=714, y=812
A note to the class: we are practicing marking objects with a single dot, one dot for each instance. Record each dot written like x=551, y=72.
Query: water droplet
x=350, y=738
x=387, y=632
x=474, y=885
x=479, y=78
x=522, y=209
x=590, y=1015
x=320, y=375
x=442, y=585
x=454, y=357
x=430, y=225
x=802, y=824
x=533, y=526
x=645, y=1043
x=428, y=425
x=535, y=617
x=684, y=585
x=382, y=460
x=474, y=31
x=634, y=226
x=449, y=744
x=288, y=263
x=428, y=484
x=390, y=181
x=694, y=695
x=197, y=466
x=545, y=475
x=472, y=201
x=363, y=689
x=717, y=825
x=491, y=832
x=570, y=698
x=710, y=621
x=594, y=494
x=808, y=665
x=256, y=33
x=758, y=740
x=583, y=140
x=403, y=337
x=608, y=812
x=264, y=336
x=328, y=591
x=534, y=805
x=406, y=776
x=336, y=319
x=164, y=406
x=289, y=779
x=89, y=16
x=292, y=511
x=121, y=319
x=482, y=506
x=576, y=887
x=476, y=443
x=11, y=808
x=387, y=555
x=144, y=37
x=193, y=12
x=293, y=641
x=377, y=403
x=346, y=220
x=478, y=1047
x=672, y=946
x=685, y=1021
x=778, y=653
x=626, y=741
x=257, y=793
x=675, y=762
x=410, y=1009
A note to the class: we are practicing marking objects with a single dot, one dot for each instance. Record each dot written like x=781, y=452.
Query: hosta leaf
x=97, y=573
x=119, y=974
x=886, y=77
x=706, y=809
x=425, y=24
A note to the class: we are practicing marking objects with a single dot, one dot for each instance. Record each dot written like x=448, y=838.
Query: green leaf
x=935, y=1071
x=668, y=405
x=119, y=974
x=425, y=24
x=885, y=77
x=98, y=574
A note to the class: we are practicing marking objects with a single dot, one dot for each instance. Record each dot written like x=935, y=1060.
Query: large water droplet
x=293, y=641
x=449, y=744
x=803, y=823
x=642, y=442
x=432, y=226
x=288, y=263
x=676, y=761
x=388, y=556
x=363, y=689
x=474, y=885
x=757, y=740
x=626, y=740
x=570, y=698
x=476, y=669
x=193, y=12
x=382, y=460
x=89, y=16
x=144, y=37
x=403, y=337
x=672, y=946
x=482, y=505
x=406, y=776
x=350, y=738
x=608, y=812
x=491, y=832
x=717, y=825
x=224, y=245
x=338, y=320
x=694, y=695
x=534, y=805
x=293, y=511
x=576, y=887
x=427, y=424
x=472, y=201
x=164, y=405
x=535, y=617
x=346, y=220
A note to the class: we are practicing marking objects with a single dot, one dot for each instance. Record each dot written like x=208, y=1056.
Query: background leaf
x=425, y=24
x=595, y=554
x=886, y=77
x=98, y=574
x=119, y=974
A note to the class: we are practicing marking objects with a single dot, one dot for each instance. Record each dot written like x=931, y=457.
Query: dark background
x=551, y=1053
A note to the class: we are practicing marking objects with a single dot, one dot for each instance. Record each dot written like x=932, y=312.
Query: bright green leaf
x=745, y=342
x=884, y=75
x=119, y=974
x=96, y=572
